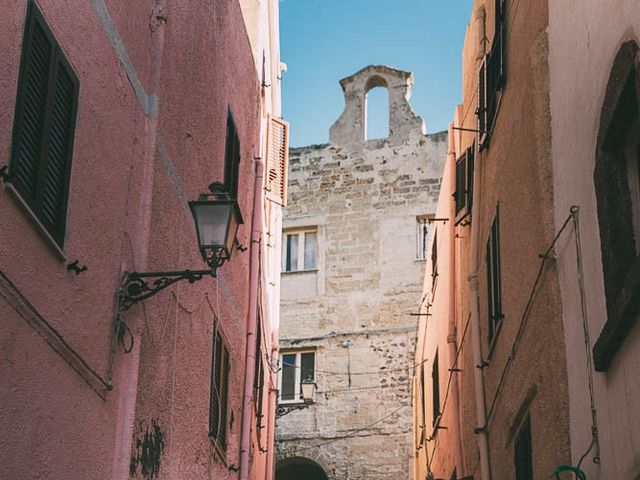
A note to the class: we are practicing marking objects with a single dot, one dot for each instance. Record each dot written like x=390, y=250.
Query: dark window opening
x=492, y=76
x=523, y=457
x=617, y=187
x=463, y=194
x=494, y=294
x=434, y=260
x=435, y=385
x=231, y=158
x=44, y=126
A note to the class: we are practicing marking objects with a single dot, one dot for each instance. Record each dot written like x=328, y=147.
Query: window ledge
x=44, y=233
x=291, y=272
x=620, y=321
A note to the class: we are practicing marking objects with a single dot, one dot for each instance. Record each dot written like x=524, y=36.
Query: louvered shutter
x=277, y=160
x=44, y=126
x=482, y=103
x=224, y=394
x=216, y=380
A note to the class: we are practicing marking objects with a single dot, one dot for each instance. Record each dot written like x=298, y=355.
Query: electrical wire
x=525, y=316
x=351, y=433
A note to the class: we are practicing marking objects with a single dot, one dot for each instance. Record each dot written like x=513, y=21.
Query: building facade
x=355, y=231
x=491, y=399
x=595, y=83
x=115, y=116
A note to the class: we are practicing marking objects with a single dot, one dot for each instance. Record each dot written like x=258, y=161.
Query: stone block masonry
x=364, y=198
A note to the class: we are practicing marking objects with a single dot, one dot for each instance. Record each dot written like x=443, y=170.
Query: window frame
x=523, y=451
x=297, y=389
x=618, y=235
x=232, y=157
x=422, y=236
x=463, y=194
x=495, y=315
x=220, y=439
x=59, y=65
x=436, y=412
x=300, y=261
x=492, y=77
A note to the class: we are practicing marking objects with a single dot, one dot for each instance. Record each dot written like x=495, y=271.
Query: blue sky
x=323, y=41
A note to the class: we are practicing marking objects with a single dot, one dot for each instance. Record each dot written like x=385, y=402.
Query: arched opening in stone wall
x=376, y=101
x=299, y=468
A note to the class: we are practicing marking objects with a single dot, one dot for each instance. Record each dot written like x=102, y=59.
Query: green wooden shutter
x=44, y=125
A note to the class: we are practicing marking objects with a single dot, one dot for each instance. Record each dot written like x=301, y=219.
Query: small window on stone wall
x=294, y=368
x=300, y=250
x=422, y=236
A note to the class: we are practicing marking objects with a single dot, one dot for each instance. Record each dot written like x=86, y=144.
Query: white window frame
x=297, y=390
x=302, y=235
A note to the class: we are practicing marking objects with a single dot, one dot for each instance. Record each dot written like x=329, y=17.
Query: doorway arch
x=299, y=468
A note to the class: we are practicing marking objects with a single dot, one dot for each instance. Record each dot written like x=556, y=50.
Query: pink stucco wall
x=133, y=171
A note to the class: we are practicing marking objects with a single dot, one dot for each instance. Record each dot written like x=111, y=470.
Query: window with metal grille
x=231, y=157
x=522, y=452
x=435, y=387
x=494, y=295
x=219, y=389
x=277, y=160
x=463, y=194
x=44, y=126
x=295, y=367
x=492, y=76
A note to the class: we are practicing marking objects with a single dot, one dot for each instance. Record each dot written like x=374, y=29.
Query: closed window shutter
x=224, y=392
x=54, y=186
x=277, y=159
x=44, y=126
x=30, y=110
x=482, y=103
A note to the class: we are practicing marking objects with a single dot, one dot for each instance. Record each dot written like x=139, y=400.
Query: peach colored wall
x=155, y=83
x=584, y=38
x=525, y=371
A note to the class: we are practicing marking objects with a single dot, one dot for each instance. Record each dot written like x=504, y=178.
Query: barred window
x=219, y=389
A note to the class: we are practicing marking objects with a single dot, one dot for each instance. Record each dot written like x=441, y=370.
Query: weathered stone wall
x=363, y=197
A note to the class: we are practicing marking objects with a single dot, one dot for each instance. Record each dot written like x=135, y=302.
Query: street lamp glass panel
x=213, y=221
x=308, y=390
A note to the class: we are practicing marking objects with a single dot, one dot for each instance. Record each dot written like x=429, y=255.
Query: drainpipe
x=451, y=334
x=474, y=298
x=254, y=272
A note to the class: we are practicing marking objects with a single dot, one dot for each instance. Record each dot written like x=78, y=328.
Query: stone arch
x=616, y=180
x=350, y=128
x=376, y=82
x=295, y=468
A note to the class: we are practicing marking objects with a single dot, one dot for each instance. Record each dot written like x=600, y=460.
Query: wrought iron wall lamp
x=308, y=387
x=217, y=217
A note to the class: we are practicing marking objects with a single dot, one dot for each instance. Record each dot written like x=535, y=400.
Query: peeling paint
x=148, y=451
